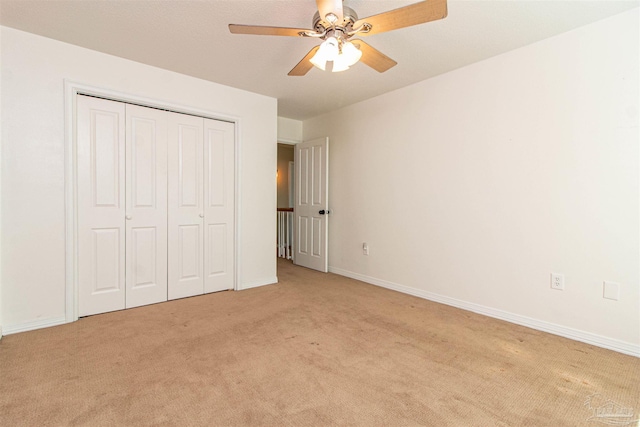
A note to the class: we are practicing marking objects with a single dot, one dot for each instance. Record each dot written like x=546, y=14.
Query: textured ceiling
x=191, y=37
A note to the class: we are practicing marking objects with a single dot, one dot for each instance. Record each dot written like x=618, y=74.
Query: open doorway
x=285, y=175
x=285, y=201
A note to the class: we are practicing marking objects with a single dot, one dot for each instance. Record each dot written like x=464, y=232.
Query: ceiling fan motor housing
x=350, y=17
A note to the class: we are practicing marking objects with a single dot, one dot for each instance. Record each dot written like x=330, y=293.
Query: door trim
x=71, y=90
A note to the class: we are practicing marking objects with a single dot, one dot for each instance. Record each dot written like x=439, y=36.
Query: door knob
x=201, y=215
x=322, y=212
x=128, y=217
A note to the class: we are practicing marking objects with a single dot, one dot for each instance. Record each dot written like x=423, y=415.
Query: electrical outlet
x=557, y=281
x=365, y=249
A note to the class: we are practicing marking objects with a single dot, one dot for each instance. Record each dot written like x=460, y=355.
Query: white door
x=101, y=205
x=146, y=206
x=156, y=198
x=186, y=206
x=219, y=202
x=311, y=204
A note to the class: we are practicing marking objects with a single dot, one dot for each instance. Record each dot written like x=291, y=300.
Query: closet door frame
x=71, y=90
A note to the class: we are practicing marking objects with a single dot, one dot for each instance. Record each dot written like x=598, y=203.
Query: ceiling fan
x=336, y=25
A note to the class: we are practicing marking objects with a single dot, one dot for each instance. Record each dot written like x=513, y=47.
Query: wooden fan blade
x=373, y=57
x=330, y=6
x=265, y=31
x=304, y=65
x=414, y=14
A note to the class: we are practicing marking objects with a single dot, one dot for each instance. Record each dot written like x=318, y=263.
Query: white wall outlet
x=611, y=290
x=557, y=281
x=365, y=249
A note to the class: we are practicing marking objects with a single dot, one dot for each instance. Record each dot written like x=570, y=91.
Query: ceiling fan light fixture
x=318, y=62
x=350, y=53
x=348, y=56
x=328, y=51
x=340, y=64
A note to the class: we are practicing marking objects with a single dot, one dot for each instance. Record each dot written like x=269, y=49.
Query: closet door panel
x=186, y=206
x=189, y=259
x=146, y=206
x=216, y=251
x=101, y=205
x=219, y=191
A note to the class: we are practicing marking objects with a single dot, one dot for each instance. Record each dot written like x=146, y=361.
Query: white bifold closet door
x=146, y=206
x=219, y=205
x=186, y=206
x=101, y=205
x=201, y=205
x=156, y=203
x=122, y=205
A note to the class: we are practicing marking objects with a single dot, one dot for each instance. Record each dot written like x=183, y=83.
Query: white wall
x=472, y=187
x=33, y=212
x=289, y=130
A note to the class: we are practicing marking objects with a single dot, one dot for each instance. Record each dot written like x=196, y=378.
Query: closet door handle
x=128, y=217
x=201, y=215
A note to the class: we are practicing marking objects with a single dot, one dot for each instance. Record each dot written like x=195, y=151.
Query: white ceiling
x=191, y=37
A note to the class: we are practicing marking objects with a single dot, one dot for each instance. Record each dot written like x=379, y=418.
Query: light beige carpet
x=314, y=350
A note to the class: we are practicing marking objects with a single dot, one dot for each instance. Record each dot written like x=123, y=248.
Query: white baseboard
x=258, y=283
x=34, y=324
x=60, y=320
x=541, y=325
